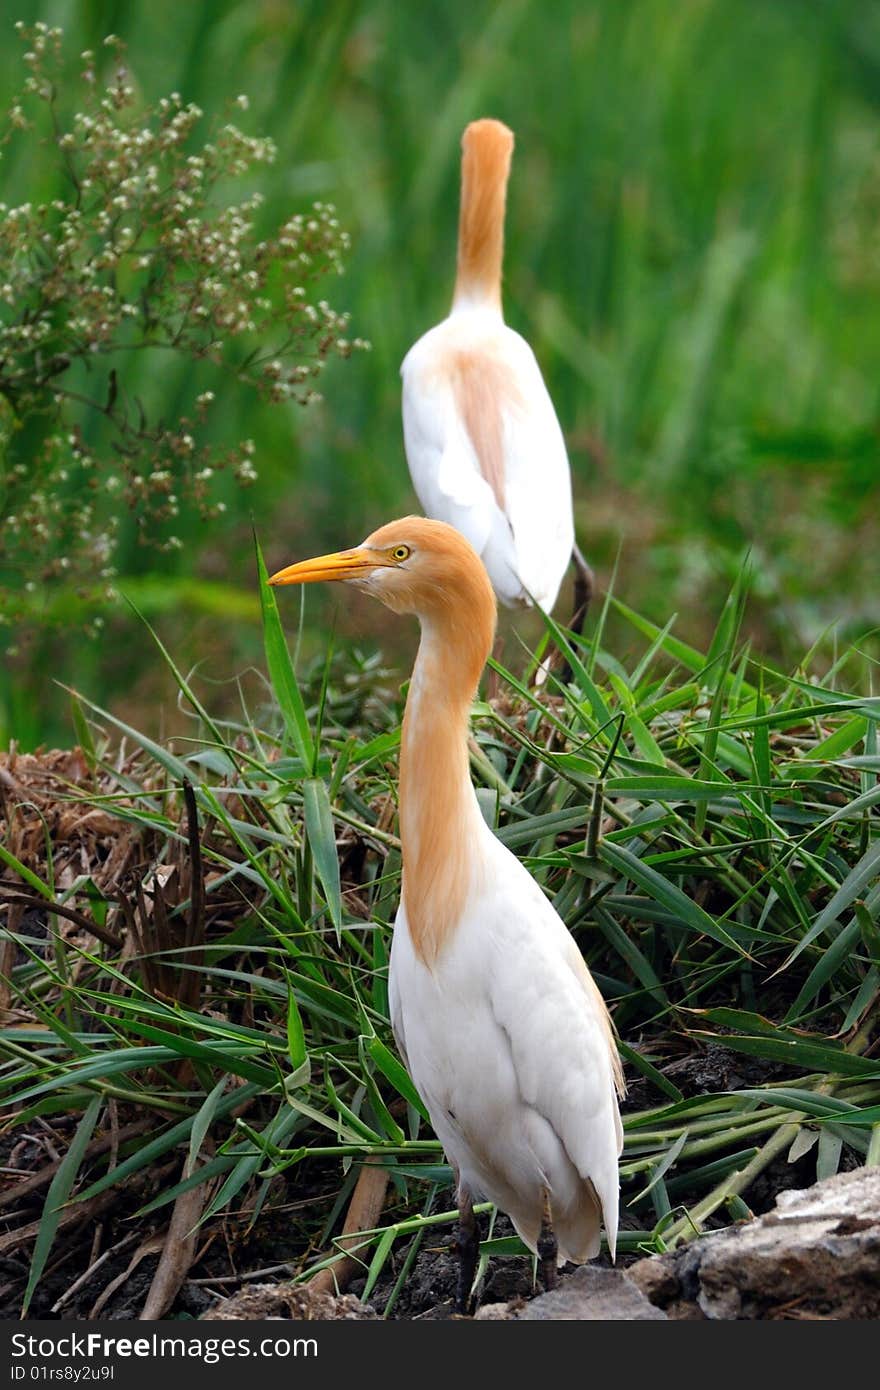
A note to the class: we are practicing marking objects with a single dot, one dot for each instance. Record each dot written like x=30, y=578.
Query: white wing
x=537, y=481
x=559, y=1038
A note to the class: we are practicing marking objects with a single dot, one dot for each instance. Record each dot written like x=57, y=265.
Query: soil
x=232, y=1256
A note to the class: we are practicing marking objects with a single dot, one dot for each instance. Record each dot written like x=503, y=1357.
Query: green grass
x=692, y=251
x=706, y=826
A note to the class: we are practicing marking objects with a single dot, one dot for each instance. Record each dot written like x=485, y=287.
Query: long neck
x=440, y=821
x=484, y=172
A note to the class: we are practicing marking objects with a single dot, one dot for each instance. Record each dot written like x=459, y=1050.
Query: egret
x=499, y=1022
x=483, y=444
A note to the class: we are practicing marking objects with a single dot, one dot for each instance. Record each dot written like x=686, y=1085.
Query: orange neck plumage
x=487, y=149
x=439, y=815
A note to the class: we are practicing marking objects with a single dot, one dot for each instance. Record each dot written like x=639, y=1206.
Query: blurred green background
x=693, y=251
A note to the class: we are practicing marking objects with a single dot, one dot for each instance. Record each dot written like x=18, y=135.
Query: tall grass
x=706, y=826
x=692, y=252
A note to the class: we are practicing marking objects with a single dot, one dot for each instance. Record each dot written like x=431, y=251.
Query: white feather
x=520, y=1088
x=527, y=546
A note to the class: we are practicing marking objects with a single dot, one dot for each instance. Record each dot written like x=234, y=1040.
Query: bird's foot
x=584, y=585
x=548, y=1248
x=467, y=1253
x=549, y=1274
x=467, y=1247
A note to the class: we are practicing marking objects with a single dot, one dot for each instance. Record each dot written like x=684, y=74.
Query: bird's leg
x=492, y=680
x=583, y=591
x=468, y=1247
x=547, y=1246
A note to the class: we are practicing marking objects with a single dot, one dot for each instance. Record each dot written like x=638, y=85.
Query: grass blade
x=322, y=840
x=281, y=671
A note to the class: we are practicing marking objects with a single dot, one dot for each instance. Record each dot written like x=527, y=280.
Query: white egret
x=484, y=446
x=503, y=1030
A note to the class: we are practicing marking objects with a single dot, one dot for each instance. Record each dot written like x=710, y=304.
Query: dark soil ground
x=234, y=1254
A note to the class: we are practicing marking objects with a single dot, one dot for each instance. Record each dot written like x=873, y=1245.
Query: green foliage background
x=693, y=251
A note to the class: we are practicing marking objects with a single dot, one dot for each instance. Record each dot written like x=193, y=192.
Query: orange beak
x=343, y=564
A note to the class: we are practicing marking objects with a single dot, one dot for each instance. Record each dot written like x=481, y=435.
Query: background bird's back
x=483, y=443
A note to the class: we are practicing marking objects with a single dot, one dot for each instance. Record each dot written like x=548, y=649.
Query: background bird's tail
x=487, y=149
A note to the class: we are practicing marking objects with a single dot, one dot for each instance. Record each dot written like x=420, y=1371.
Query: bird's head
x=412, y=566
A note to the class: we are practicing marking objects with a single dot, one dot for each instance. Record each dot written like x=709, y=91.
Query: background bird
x=497, y=1017
x=484, y=446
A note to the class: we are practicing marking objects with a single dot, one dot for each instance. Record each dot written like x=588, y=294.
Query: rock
x=817, y=1255
x=494, y=1312
x=590, y=1293
x=671, y=1282
x=296, y=1301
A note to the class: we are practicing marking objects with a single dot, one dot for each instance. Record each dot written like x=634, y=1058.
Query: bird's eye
x=401, y=552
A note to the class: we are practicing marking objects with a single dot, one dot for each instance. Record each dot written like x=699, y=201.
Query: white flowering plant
x=139, y=250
